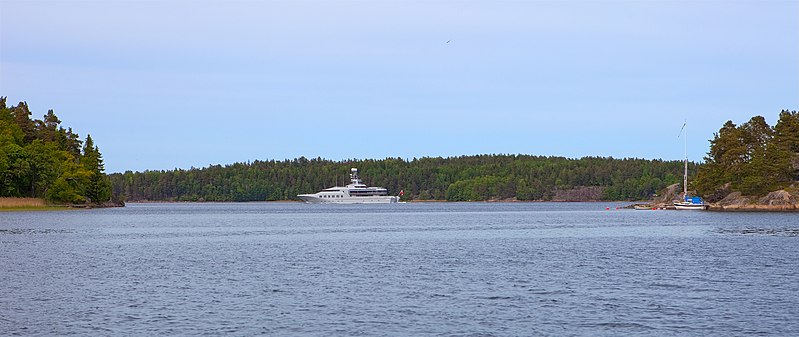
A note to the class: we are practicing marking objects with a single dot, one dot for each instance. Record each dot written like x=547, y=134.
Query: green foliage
x=63, y=190
x=784, y=151
x=752, y=158
x=479, y=177
x=40, y=159
x=481, y=188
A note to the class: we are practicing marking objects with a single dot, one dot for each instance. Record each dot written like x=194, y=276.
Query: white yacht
x=354, y=193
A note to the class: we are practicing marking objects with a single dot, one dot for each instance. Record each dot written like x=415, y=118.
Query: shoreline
x=34, y=208
x=754, y=209
x=13, y=204
x=405, y=201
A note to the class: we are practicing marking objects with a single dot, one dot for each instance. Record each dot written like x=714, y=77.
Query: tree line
x=41, y=159
x=464, y=178
x=753, y=158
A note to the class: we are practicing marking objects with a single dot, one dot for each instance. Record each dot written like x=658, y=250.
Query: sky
x=180, y=84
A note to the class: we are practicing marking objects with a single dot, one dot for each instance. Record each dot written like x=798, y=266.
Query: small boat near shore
x=688, y=202
x=356, y=192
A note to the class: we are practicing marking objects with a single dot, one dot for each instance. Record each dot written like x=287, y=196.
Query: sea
x=413, y=269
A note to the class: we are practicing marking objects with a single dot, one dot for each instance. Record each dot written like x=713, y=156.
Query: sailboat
x=688, y=202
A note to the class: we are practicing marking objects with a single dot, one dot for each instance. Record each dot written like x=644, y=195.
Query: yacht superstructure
x=356, y=192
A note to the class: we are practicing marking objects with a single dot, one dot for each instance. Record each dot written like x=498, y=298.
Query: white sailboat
x=688, y=202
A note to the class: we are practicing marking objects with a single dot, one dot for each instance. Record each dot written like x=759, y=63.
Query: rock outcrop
x=666, y=198
x=777, y=201
x=668, y=195
x=580, y=193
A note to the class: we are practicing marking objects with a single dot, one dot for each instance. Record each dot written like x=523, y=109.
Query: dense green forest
x=479, y=177
x=753, y=158
x=41, y=159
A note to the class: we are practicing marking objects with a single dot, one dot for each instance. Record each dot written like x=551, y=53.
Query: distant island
x=497, y=177
x=41, y=163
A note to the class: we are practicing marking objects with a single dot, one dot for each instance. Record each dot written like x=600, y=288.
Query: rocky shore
x=777, y=201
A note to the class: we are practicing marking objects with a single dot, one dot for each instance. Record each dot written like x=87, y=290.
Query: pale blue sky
x=165, y=84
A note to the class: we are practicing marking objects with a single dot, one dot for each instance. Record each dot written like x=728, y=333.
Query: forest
x=41, y=159
x=753, y=158
x=464, y=178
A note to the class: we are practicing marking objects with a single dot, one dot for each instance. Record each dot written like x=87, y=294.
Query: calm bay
x=398, y=269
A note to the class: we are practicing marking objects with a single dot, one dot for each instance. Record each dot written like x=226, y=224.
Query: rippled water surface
x=401, y=269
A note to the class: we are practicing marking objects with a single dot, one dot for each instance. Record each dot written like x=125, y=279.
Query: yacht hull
x=315, y=199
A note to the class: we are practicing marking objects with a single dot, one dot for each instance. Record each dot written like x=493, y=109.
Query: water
x=403, y=269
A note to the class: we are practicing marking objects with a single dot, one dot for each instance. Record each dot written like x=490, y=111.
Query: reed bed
x=21, y=202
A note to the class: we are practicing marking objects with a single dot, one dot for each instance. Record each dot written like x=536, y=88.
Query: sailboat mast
x=694, y=202
x=685, y=174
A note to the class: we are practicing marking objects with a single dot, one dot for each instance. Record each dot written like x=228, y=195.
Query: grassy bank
x=21, y=202
x=26, y=204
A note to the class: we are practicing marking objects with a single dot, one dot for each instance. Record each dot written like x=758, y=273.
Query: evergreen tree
x=98, y=186
x=22, y=115
x=756, y=171
x=784, y=152
x=725, y=155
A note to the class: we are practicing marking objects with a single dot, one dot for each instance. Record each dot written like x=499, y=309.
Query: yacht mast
x=685, y=174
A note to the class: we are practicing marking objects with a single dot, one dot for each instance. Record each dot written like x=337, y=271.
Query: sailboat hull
x=689, y=207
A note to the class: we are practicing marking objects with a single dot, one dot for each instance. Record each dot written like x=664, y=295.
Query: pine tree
x=756, y=171
x=98, y=186
x=785, y=148
x=724, y=158
x=22, y=118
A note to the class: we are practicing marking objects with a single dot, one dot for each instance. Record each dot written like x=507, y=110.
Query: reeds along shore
x=21, y=202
